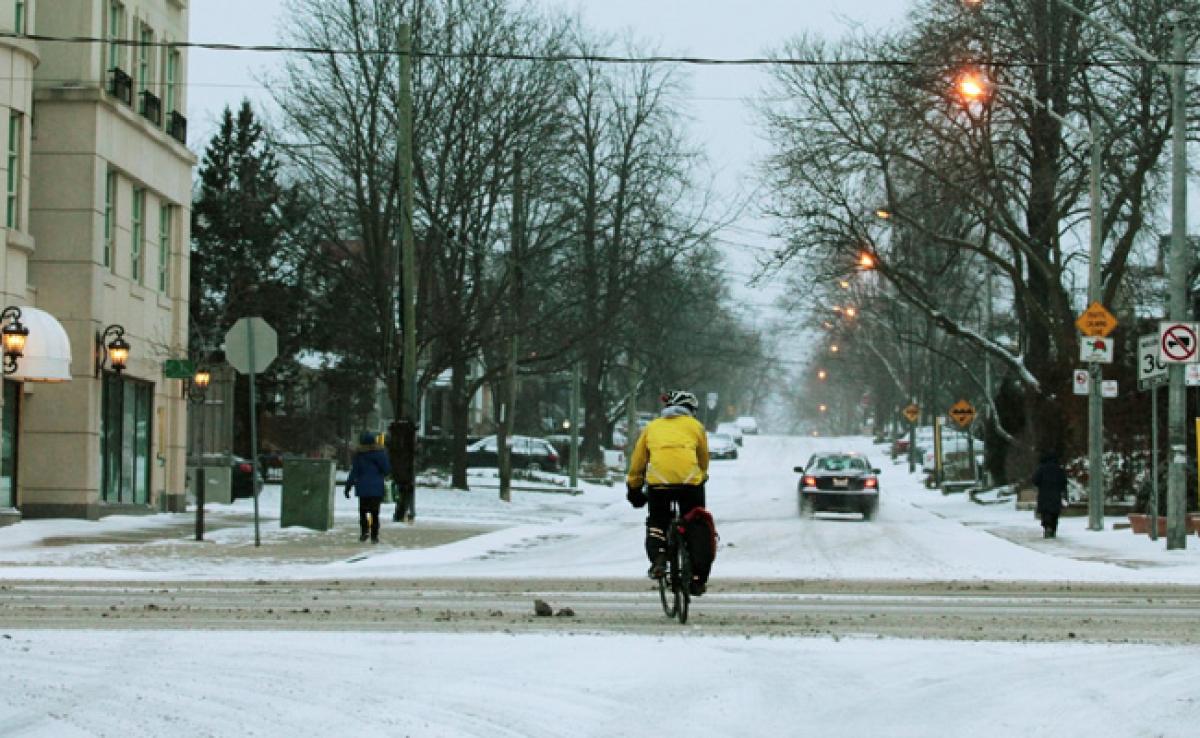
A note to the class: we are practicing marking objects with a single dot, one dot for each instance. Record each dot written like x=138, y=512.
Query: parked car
x=838, y=482
x=241, y=478
x=732, y=430
x=748, y=424
x=614, y=459
x=527, y=453
x=270, y=465
x=721, y=446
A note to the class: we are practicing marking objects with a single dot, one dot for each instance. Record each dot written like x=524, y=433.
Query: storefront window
x=125, y=432
x=8, y=441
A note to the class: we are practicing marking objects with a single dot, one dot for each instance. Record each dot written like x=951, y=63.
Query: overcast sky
x=722, y=123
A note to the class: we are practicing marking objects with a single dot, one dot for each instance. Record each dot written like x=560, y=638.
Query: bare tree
x=1002, y=183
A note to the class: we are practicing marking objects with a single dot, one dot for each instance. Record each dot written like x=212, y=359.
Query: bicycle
x=679, y=569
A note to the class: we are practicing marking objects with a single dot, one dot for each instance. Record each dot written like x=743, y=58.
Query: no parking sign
x=1177, y=342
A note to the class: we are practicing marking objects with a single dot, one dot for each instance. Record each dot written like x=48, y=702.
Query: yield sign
x=912, y=412
x=1177, y=342
x=1096, y=321
x=963, y=413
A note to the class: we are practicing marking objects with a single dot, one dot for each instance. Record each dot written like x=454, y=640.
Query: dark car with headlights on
x=838, y=482
x=721, y=446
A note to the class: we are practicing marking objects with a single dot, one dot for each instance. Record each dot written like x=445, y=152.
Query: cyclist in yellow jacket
x=671, y=461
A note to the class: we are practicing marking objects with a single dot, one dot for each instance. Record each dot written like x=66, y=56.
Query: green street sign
x=179, y=369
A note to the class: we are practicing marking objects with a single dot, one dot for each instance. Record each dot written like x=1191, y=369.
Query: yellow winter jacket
x=672, y=450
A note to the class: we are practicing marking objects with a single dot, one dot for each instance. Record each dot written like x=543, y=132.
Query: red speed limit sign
x=1177, y=342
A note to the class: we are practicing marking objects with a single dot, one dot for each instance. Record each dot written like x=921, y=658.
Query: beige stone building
x=98, y=216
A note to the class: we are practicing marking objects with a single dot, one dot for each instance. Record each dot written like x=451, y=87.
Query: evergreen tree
x=246, y=259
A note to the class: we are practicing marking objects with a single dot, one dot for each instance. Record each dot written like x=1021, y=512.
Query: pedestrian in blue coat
x=369, y=470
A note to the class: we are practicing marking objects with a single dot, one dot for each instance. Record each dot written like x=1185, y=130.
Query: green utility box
x=308, y=489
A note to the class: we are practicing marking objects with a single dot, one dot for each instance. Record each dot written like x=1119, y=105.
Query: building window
x=110, y=216
x=172, y=91
x=145, y=39
x=116, y=32
x=165, y=221
x=15, y=132
x=137, y=233
x=125, y=433
x=19, y=16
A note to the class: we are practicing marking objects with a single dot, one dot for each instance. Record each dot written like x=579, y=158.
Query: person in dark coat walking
x=1051, y=483
x=369, y=470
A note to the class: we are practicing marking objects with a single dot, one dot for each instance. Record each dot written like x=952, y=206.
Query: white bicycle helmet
x=681, y=398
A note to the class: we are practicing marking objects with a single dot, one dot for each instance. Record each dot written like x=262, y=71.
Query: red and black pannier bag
x=701, y=541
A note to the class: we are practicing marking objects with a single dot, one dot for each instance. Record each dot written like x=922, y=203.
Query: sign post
x=1096, y=323
x=912, y=413
x=1177, y=346
x=1152, y=374
x=250, y=347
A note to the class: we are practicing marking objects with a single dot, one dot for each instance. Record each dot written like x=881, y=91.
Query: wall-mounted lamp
x=114, y=352
x=195, y=387
x=14, y=337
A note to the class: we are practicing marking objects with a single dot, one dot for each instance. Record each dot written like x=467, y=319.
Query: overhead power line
x=559, y=58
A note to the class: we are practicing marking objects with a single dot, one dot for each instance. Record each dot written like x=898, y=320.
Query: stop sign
x=251, y=345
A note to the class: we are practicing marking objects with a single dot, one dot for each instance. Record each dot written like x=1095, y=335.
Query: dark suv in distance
x=838, y=482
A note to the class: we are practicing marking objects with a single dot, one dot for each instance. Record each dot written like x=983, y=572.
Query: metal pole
x=510, y=403
x=1178, y=303
x=1095, y=371
x=201, y=479
x=575, y=426
x=987, y=372
x=1154, y=463
x=253, y=431
x=912, y=394
x=408, y=278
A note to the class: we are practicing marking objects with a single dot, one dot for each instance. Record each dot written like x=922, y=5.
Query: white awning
x=47, y=356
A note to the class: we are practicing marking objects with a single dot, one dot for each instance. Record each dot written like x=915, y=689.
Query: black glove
x=636, y=496
x=347, y=492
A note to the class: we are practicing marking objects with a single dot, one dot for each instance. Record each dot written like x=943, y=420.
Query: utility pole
x=508, y=408
x=575, y=425
x=631, y=418
x=1180, y=266
x=1095, y=370
x=407, y=389
x=987, y=373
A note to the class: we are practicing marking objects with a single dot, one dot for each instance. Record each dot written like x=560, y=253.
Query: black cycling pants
x=659, y=509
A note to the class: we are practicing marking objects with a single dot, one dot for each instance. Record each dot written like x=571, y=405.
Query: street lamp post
x=975, y=88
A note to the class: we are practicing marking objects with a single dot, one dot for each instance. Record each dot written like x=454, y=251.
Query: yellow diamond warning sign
x=1096, y=321
x=963, y=413
x=912, y=412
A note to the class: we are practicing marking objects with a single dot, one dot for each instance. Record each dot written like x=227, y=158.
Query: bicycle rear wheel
x=681, y=576
x=666, y=595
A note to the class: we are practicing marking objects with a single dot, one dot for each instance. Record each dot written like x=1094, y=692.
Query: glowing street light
x=822, y=375
x=866, y=260
x=834, y=348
